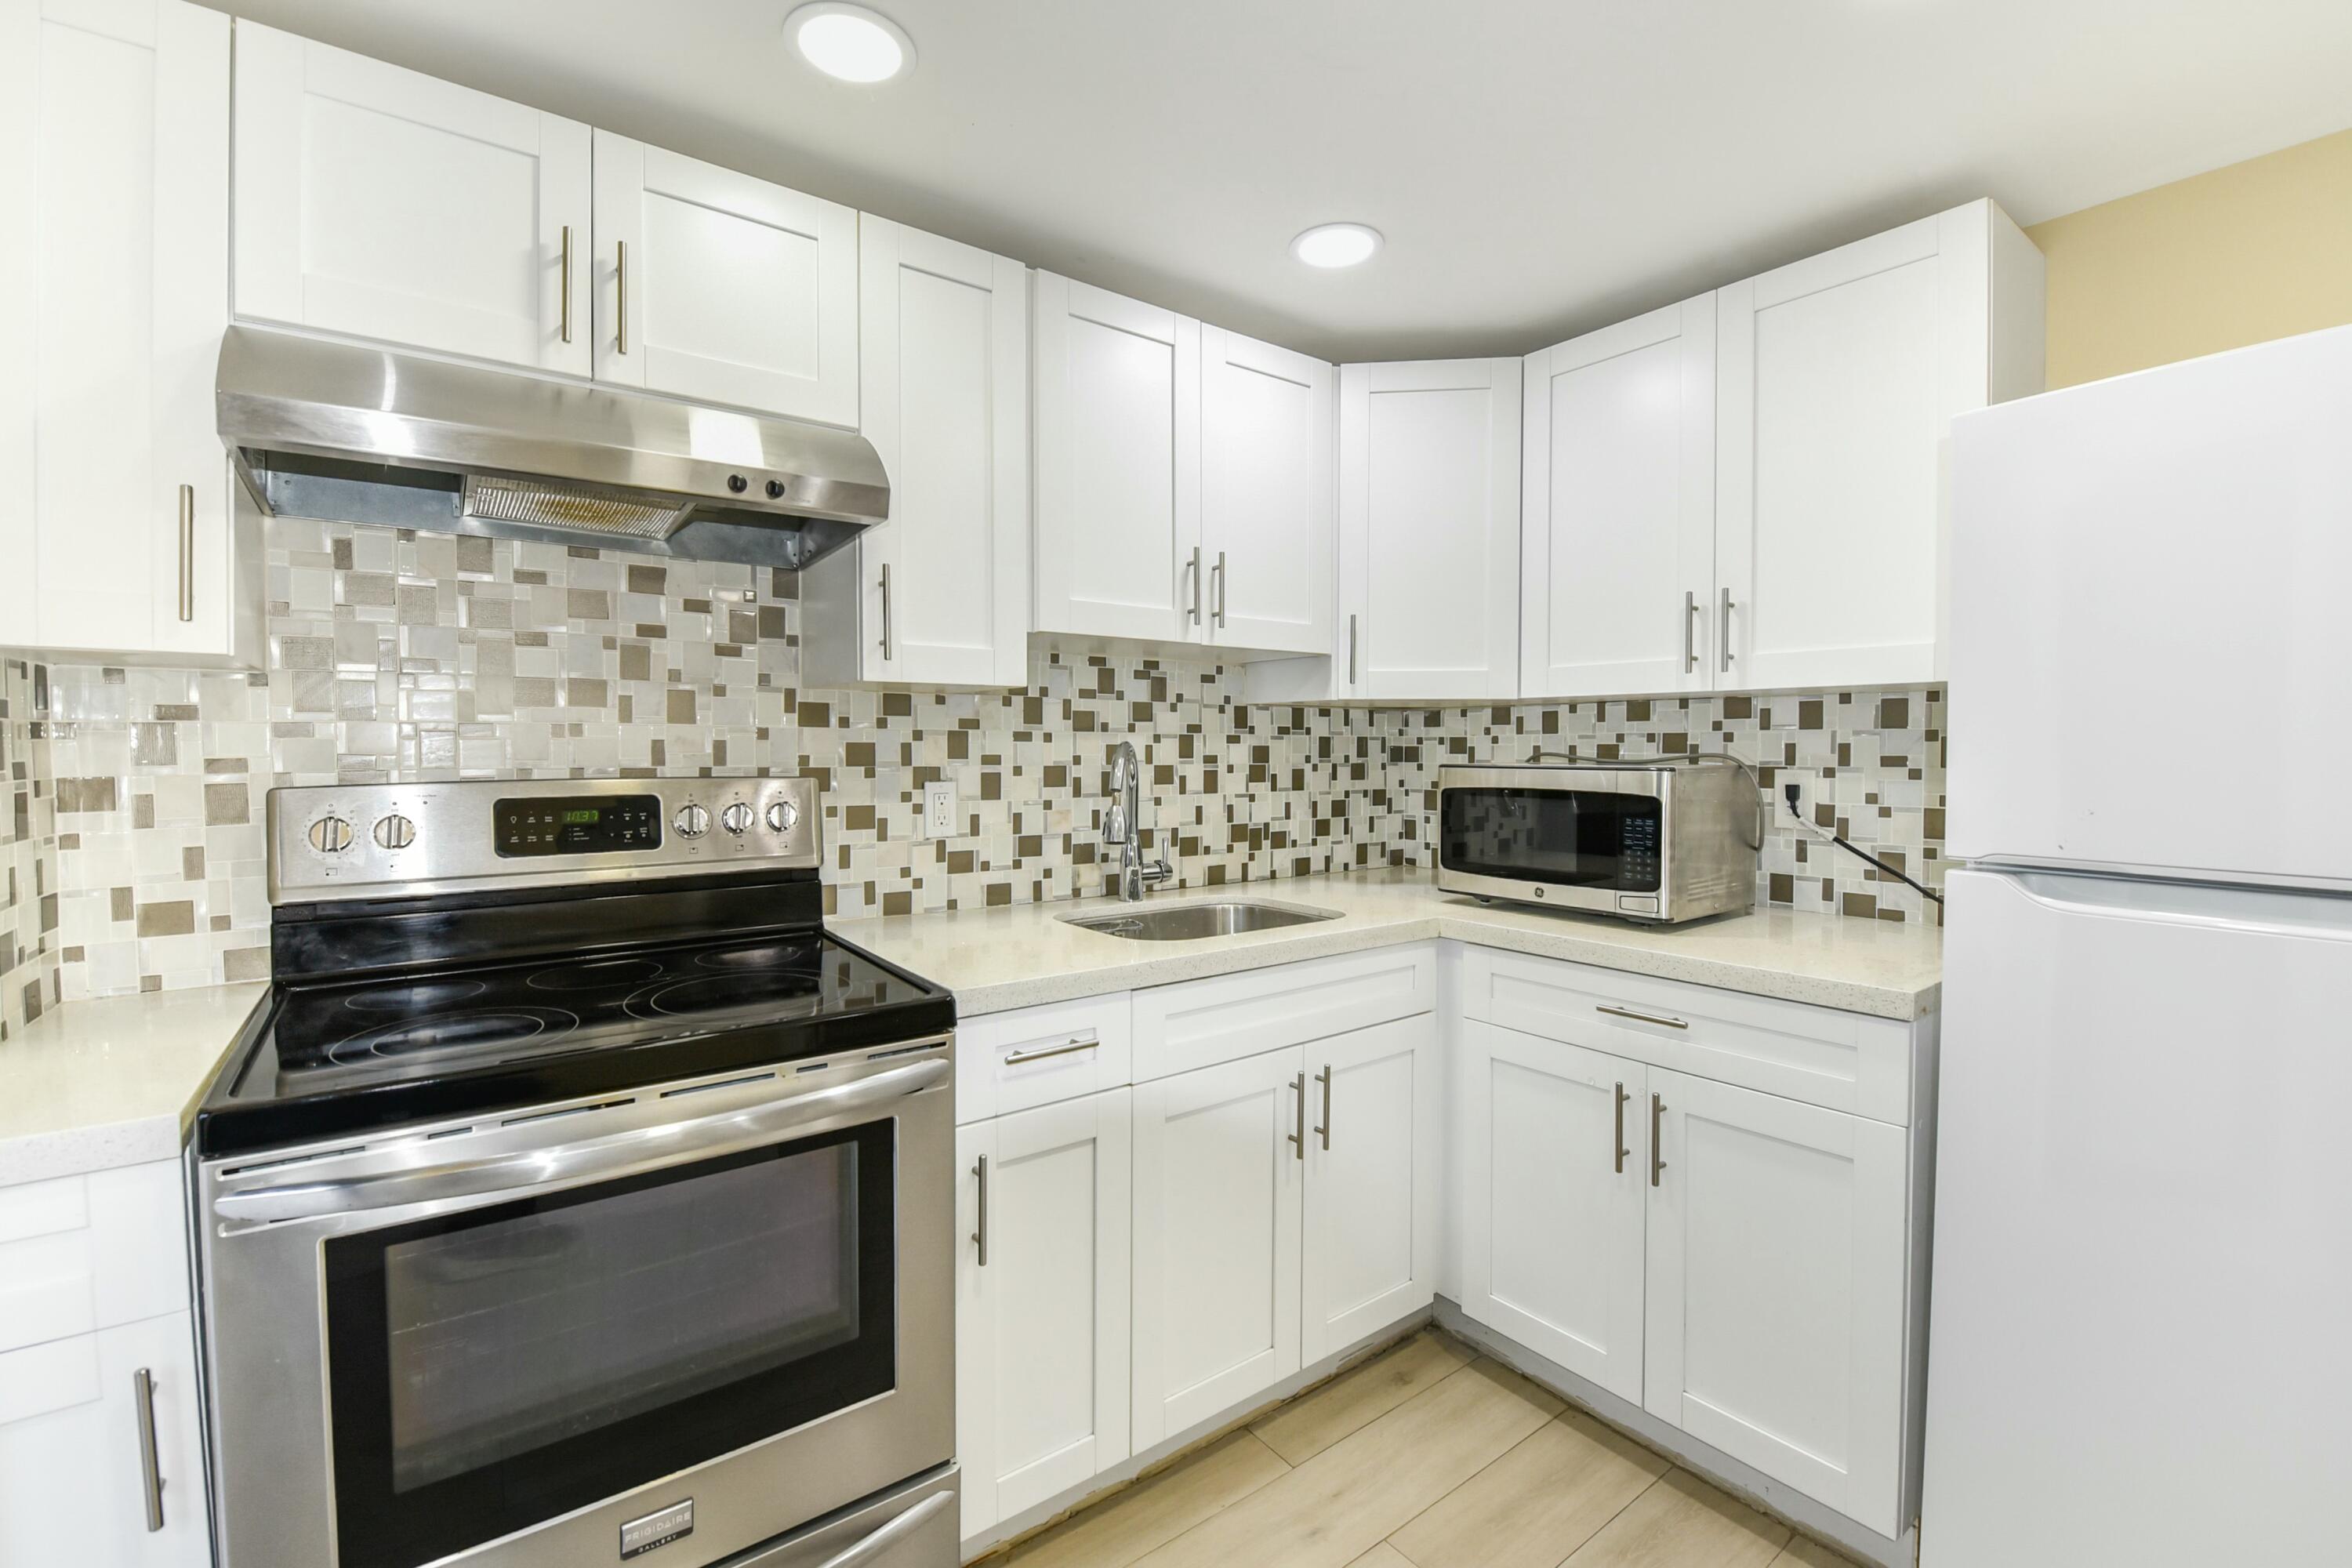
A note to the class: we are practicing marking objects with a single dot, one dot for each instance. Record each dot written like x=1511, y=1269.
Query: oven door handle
x=871, y=1549
x=390, y=1180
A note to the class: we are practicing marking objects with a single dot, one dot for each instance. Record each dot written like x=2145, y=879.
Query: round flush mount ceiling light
x=852, y=43
x=1336, y=245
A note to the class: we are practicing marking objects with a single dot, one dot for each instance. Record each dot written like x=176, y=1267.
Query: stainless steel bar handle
x=1085, y=1041
x=1690, y=637
x=564, y=308
x=1643, y=1017
x=871, y=1549
x=1219, y=599
x=886, y=655
x=1618, y=1141
x=187, y=553
x=1298, y=1136
x=980, y=1236
x=621, y=311
x=1324, y=1077
x=401, y=1174
x=1194, y=569
x=1657, y=1139
x=150, y=1473
x=1351, y=650
x=1723, y=632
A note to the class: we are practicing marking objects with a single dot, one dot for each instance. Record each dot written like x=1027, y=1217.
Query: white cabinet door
x=1553, y=1175
x=717, y=287
x=1776, y=1290
x=1837, y=378
x=1117, y=536
x=1429, y=530
x=1370, y=1243
x=1041, y=1331
x=940, y=594
x=1268, y=534
x=72, y=1474
x=1218, y=1159
x=122, y=538
x=383, y=204
x=1617, y=509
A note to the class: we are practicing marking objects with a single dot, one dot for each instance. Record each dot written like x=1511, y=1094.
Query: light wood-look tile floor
x=1423, y=1457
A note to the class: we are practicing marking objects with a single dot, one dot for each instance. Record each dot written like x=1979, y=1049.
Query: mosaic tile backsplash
x=135, y=847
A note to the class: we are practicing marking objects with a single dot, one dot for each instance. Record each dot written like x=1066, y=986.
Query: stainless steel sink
x=1190, y=923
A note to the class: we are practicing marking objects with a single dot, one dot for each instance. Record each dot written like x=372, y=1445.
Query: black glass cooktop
x=330, y=1057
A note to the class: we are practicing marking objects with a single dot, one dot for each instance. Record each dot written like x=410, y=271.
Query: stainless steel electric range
x=576, y=1199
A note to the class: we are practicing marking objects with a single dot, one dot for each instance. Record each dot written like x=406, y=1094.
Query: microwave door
x=1594, y=839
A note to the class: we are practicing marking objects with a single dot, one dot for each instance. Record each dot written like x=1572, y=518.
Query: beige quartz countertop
x=90, y=1085
x=998, y=959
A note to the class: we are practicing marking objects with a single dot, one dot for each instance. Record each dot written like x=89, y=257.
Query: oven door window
x=1576, y=838
x=493, y=1369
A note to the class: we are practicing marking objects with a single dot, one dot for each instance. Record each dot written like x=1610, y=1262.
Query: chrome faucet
x=1120, y=827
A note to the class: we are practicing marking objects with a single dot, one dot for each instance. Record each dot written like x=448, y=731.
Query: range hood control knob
x=738, y=483
x=783, y=817
x=736, y=818
x=330, y=836
x=775, y=489
x=692, y=821
x=394, y=832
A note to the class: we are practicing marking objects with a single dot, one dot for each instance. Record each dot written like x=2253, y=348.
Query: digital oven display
x=578, y=826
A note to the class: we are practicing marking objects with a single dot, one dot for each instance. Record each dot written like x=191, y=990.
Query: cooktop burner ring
x=598, y=974
x=410, y=998
x=782, y=954
x=720, y=996
x=487, y=1030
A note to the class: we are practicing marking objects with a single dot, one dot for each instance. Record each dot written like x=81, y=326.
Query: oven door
x=1593, y=840
x=686, y=1323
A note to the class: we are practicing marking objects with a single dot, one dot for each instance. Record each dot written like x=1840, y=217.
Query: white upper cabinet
x=379, y=202
x=1267, y=428
x=720, y=288
x=1118, y=399
x=1617, y=511
x=1837, y=380
x=126, y=538
x=939, y=595
x=1429, y=531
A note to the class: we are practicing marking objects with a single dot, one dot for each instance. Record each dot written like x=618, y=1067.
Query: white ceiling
x=1538, y=168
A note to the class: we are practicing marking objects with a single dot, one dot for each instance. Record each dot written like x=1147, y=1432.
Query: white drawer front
x=1037, y=1056
x=83, y=1253
x=1202, y=1023
x=1844, y=1061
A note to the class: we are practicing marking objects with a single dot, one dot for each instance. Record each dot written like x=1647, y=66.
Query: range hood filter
x=604, y=508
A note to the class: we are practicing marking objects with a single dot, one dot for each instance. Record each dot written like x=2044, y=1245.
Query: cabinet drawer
x=1204, y=1022
x=83, y=1253
x=1844, y=1061
x=1015, y=1061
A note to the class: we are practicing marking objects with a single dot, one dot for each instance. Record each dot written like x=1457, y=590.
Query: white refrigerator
x=2140, y=1334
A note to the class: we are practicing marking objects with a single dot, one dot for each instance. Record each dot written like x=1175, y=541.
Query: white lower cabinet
x=1554, y=1193
x=1777, y=1253
x=1219, y=1163
x=1370, y=1240
x=74, y=1475
x=1041, y=1303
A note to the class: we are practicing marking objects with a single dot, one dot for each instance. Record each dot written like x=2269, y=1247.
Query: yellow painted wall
x=2256, y=250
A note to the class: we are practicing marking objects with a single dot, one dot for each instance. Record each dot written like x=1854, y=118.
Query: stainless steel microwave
x=1664, y=842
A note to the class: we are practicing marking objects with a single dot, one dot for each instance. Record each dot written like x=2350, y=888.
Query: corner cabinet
x=1429, y=531
x=1617, y=510
x=380, y=203
x=939, y=595
x=715, y=286
x=128, y=538
x=1837, y=381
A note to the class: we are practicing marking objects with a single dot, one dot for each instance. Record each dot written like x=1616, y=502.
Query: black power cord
x=1790, y=792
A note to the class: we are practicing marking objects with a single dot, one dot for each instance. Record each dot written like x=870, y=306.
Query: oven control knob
x=692, y=821
x=330, y=836
x=783, y=817
x=736, y=818
x=394, y=832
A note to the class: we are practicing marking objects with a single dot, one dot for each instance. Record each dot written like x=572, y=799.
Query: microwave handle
x=389, y=1180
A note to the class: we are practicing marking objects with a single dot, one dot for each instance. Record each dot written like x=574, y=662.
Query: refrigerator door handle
x=2256, y=910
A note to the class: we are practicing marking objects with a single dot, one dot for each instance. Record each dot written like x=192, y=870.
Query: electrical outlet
x=938, y=810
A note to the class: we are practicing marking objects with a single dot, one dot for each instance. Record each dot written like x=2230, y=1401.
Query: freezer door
x=2151, y=649
x=2143, y=1246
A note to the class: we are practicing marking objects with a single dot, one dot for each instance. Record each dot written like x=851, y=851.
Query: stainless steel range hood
x=338, y=431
